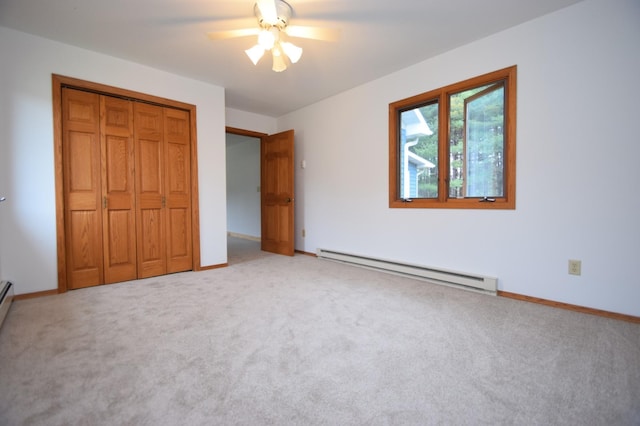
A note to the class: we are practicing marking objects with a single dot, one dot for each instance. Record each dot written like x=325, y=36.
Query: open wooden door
x=277, y=182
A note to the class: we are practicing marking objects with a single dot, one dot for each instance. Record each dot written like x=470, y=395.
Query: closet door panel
x=178, y=190
x=150, y=154
x=85, y=262
x=82, y=188
x=118, y=188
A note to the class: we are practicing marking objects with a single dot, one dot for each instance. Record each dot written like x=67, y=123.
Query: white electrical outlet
x=575, y=267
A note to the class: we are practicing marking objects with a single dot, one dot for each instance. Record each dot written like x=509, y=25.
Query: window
x=454, y=147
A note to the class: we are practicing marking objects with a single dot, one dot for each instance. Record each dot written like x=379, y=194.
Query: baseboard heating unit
x=6, y=297
x=461, y=280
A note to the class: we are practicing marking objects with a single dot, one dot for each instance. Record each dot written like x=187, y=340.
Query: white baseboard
x=243, y=236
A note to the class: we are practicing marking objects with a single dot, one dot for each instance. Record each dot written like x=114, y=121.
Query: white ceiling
x=378, y=37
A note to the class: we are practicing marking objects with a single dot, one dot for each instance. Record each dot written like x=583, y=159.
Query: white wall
x=27, y=221
x=243, y=181
x=250, y=121
x=578, y=152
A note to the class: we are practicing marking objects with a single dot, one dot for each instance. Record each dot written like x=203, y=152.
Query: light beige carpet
x=274, y=340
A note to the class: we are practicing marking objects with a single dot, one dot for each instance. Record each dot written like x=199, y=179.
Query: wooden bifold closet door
x=126, y=169
x=163, y=190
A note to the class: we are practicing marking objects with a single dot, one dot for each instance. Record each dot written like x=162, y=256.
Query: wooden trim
x=243, y=132
x=103, y=89
x=567, y=306
x=58, y=82
x=35, y=294
x=394, y=190
x=195, y=198
x=220, y=265
x=306, y=253
x=56, y=86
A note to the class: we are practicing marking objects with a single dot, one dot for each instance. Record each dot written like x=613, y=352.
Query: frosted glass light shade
x=266, y=39
x=279, y=63
x=292, y=51
x=255, y=53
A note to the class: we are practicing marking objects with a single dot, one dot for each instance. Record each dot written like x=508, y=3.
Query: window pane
x=418, y=152
x=484, y=144
x=476, y=142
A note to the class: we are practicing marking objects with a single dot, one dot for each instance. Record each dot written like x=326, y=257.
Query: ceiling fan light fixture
x=255, y=53
x=279, y=64
x=272, y=34
x=266, y=39
x=292, y=51
x=273, y=30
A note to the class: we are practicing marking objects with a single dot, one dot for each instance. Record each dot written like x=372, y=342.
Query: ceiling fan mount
x=283, y=13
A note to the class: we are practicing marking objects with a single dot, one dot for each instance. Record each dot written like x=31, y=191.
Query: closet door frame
x=58, y=82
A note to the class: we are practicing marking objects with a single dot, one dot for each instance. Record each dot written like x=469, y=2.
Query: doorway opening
x=273, y=191
x=243, y=197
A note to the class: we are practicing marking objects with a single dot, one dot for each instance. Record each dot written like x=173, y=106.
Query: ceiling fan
x=272, y=30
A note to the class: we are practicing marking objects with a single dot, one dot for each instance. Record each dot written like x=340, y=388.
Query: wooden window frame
x=442, y=95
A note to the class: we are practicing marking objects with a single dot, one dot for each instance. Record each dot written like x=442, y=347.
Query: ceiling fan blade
x=316, y=33
x=244, y=32
x=268, y=10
